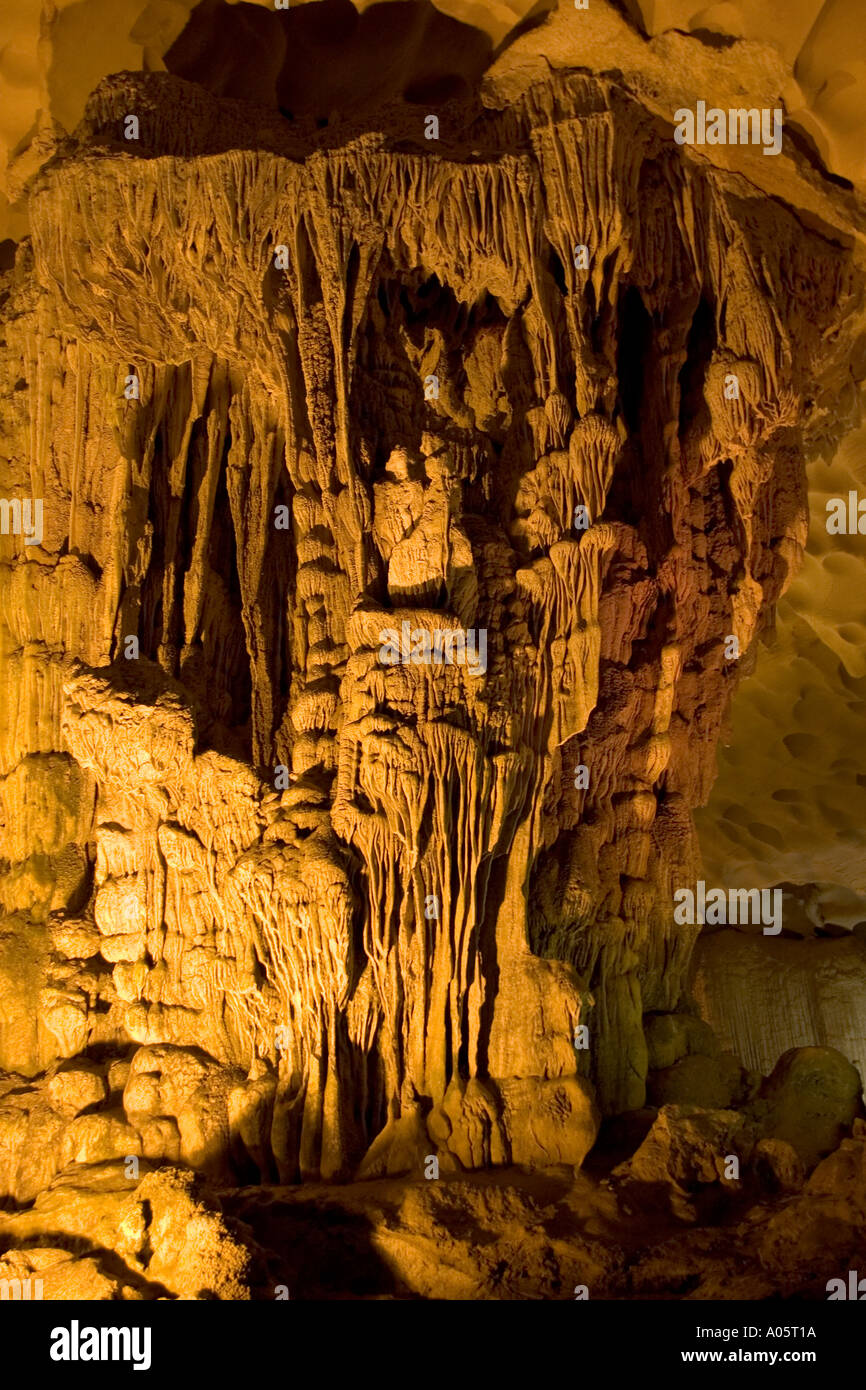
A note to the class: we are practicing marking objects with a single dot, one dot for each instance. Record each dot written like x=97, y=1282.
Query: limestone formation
x=394, y=568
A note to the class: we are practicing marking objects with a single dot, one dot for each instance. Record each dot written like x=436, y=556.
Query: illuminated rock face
x=433, y=530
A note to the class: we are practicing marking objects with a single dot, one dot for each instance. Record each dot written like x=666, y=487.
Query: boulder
x=718, y=1082
x=810, y=1100
x=690, y=1146
x=777, y=1165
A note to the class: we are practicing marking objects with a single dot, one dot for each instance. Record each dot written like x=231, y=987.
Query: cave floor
x=557, y=1234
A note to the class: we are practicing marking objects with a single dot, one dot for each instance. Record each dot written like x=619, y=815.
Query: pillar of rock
x=305, y=417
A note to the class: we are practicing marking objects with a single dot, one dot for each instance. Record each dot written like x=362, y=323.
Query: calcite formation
x=323, y=58
x=405, y=511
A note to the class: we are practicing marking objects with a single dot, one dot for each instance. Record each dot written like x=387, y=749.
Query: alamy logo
x=737, y=906
x=736, y=127
x=846, y=518
x=26, y=518
x=102, y=1344
x=23, y=1290
x=420, y=647
x=856, y=1288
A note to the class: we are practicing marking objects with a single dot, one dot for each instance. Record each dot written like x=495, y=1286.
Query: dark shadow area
x=318, y=1249
x=709, y=38
x=694, y=416
x=326, y=59
x=109, y=1261
x=634, y=340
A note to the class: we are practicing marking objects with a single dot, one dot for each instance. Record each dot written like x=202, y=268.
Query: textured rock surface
x=811, y=1100
x=55, y=54
x=119, y=1239
x=97, y=1235
x=279, y=904
x=227, y=910
x=763, y=997
x=792, y=761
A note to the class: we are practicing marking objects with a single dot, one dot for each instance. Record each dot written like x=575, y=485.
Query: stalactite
x=378, y=393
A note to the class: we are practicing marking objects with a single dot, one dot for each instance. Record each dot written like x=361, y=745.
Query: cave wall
x=56, y=51
x=375, y=898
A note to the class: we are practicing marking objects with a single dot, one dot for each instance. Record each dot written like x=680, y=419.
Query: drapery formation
x=276, y=406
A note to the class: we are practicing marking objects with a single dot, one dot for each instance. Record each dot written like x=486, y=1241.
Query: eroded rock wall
x=279, y=405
